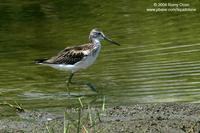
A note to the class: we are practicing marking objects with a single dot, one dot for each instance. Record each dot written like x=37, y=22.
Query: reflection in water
x=157, y=62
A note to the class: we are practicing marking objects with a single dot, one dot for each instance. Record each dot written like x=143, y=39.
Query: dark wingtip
x=40, y=61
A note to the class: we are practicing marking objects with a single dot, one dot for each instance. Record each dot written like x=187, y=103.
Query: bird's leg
x=90, y=85
x=69, y=81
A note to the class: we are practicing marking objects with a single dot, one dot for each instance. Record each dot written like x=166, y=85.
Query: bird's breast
x=89, y=59
x=95, y=51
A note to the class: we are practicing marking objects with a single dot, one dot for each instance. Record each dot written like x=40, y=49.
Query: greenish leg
x=90, y=85
x=69, y=81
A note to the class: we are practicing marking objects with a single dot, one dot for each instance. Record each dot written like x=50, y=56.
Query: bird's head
x=97, y=34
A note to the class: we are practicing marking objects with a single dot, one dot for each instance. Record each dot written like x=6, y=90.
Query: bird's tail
x=40, y=61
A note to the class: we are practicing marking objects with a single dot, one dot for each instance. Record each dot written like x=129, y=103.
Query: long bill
x=109, y=40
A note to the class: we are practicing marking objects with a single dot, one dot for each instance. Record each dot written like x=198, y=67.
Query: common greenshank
x=75, y=58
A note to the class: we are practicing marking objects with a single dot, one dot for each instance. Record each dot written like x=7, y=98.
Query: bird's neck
x=96, y=41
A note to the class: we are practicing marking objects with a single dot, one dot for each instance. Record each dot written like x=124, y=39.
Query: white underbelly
x=62, y=67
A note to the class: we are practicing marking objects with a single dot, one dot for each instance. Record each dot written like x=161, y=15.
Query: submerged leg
x=90, y=85
x=69, y=81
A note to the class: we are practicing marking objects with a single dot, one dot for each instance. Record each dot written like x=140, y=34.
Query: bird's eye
x=98, y=33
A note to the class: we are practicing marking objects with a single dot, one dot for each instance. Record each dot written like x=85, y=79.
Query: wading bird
x=73, y=59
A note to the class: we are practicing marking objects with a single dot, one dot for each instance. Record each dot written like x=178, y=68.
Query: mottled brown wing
x=70, y=55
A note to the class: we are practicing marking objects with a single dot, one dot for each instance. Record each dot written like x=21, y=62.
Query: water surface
x=158, y=60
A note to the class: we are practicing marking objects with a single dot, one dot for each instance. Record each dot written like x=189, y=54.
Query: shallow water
x=158, y=60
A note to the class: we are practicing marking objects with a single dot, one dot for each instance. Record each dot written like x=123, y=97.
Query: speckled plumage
x=71, y=55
